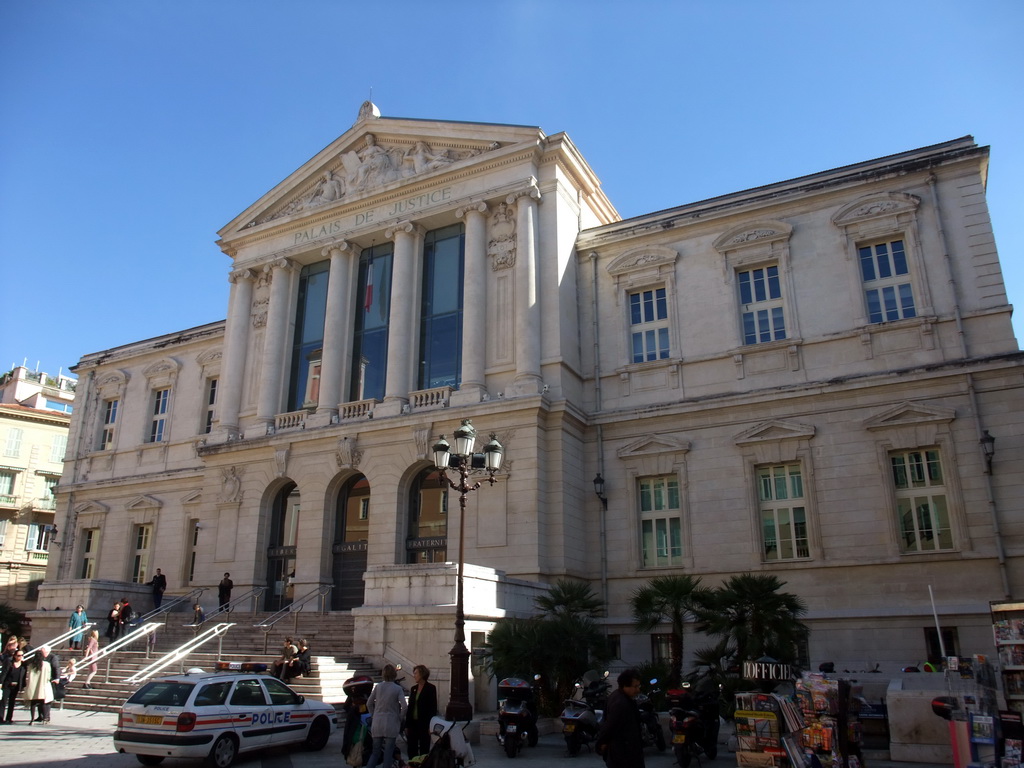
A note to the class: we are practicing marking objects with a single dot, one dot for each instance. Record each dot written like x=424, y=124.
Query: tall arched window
x=427, y=541
x=284, y=530
x=351, y=531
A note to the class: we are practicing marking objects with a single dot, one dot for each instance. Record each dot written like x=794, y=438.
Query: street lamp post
x=466, y=462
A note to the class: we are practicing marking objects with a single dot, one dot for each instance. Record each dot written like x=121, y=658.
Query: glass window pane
x=779, y=322
x=899, y=258
x=746, y=295
x=867, y=264
x=663, y=343
x=882, y=258
x=759, y=285
x=662, y=303
x=749, y=329
x=874, y=306
x=907, y=300
x=638, y=347
x=635, y=315
x=774, y=290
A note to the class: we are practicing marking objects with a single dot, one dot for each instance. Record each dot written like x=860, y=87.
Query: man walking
x=619, y=739
x=159, y=585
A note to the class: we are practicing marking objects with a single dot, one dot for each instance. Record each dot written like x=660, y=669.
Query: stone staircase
x=329, y=637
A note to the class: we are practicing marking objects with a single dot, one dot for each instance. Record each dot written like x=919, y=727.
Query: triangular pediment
x=653, y=445
x=753, y=233
x=910, y=414
x=143, y=502
x=192, y=497
x=91, y=507
x=773, y=431
x=376, y=155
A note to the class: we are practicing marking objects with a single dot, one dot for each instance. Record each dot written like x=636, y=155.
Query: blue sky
x=130, y=132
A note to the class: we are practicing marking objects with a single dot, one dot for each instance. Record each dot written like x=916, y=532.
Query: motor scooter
x=517, y=715
x=650, y=724
x=694, y=723
x=581, y=716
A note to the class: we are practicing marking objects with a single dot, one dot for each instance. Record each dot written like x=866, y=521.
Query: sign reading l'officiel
x=761, y=670
x=401, y=207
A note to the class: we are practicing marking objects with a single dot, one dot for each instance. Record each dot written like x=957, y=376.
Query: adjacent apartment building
x=35, y=412
x=815, y=379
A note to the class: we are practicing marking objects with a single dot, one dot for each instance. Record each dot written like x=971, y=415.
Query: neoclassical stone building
x=793, y=379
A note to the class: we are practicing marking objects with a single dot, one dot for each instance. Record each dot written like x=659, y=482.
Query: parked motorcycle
x=517, y=715
x=582, y=714
x=650, y=724
x=693, y=722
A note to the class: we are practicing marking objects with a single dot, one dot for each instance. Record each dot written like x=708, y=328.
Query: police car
x=216, y=716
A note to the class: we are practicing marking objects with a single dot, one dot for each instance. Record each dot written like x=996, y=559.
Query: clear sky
x=130, y=132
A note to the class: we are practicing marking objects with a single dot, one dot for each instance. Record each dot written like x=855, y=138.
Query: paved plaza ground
x=76, y=739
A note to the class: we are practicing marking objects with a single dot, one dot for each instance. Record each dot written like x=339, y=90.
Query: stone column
x=527, y=331
x=236, y=341
x=274, y=343
x=402, y=332
x=337, y=351
x=474, y=307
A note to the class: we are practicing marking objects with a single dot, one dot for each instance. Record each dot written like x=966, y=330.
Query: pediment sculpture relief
x=373, y=166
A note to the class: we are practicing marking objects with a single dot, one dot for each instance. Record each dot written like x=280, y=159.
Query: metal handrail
x=178, y=653
x=107, y=652
x=293, y=608
x=253, y=594
x=168, y=606
x=61, y=638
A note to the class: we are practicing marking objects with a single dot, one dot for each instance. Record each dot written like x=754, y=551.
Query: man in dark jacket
x=159, y=586
x=619, y=739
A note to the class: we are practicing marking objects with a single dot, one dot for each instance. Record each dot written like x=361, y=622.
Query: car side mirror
x=301, y=699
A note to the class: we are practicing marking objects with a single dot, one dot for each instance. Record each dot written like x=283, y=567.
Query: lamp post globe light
x=466, y=462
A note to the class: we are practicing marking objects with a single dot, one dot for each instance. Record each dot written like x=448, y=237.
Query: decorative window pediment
x=193, y=497
x=878, y=206
x=162, y=373
x=209, y=360
x=143, y=502
x=653, y=446
x=91, y=507
x=111, y=384
x=759, y=235
x=774, y=431
x=644, y=265
x=910, y=415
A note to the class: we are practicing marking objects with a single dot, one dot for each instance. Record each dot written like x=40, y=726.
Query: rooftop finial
x=368, y=110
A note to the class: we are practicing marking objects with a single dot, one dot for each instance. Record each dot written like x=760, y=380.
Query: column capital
x=341, y=246
x=241, y=274
x=407, y=227
x=531, y=191
x=480, y=207
x=281, y=263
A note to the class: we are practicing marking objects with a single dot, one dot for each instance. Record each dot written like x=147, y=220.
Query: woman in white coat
x=40, y=675
x=387, y=712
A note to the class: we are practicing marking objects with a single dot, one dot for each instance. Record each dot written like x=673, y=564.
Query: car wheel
x=224, y=752
x=319, y=733
x=150, y=759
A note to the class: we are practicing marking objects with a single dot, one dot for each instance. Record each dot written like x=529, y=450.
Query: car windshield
x=164, y=693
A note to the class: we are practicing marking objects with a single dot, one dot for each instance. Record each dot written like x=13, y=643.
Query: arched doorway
x=427, y=541
x=351, y=531
x=284, y=529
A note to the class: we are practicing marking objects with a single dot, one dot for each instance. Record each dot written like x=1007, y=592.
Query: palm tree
x=559, y=645
x=567, y=597
x=672, y=599
x=760, y=620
